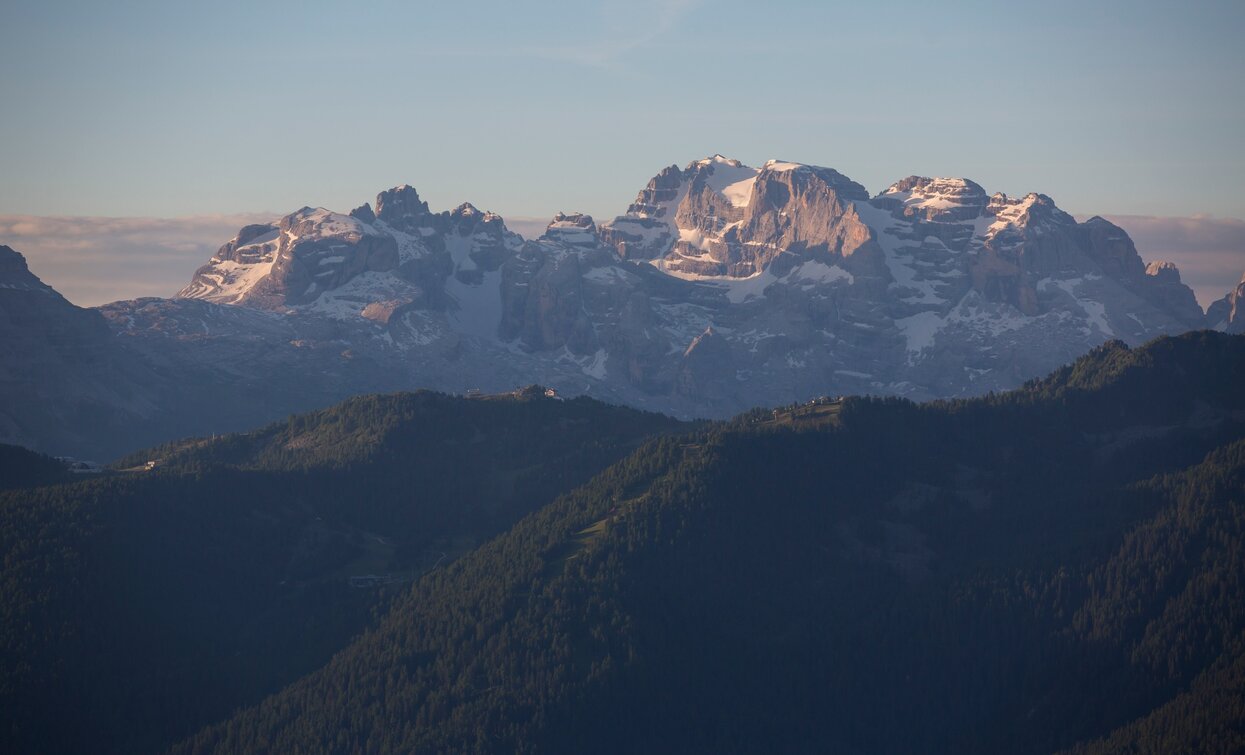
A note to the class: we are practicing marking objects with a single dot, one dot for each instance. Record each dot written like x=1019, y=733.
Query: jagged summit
x=717, y=159
x=720, y=218
x=15, y=274
x=1228, y=313
x=575, y=229
x=1164, y=270
x=315, y=259
x=401, y=207
x=948, y=199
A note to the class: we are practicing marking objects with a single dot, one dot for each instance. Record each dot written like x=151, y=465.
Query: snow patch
x=1095, y=311
x=739, y=194
x=919, y=331
x=479, y=306
x=596, y=368
x=820, y=272
x=731, y=179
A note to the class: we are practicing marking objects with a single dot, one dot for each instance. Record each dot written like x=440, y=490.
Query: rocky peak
x=662, y=188
x=1161, y=284
x=813, y=177
x=575, y=229
x=402, y=208
x=465, y=210
x=1030, y=209
x=15, y=274
x=252, y=243
x=719, y=217
x=318, y=222
x=466, y=220
x=364, y=212
x=716, y=159
x=802, y=208
x=1164, y=271
x=292, y=262
x=934, y=199
x=1228, y=314
x=723, y=179
x=1110, y=247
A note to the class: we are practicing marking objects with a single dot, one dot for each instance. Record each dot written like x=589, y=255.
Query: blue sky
x=171, y=108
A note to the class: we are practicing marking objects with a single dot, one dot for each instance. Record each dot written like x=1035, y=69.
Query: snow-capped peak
x=730, y=178
x=575, y=229
x=718, y=159
x=940, y=199
x=782, y=165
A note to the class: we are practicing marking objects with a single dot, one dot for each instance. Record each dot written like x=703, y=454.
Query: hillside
x=1052, y=568
x=22, y=468
x=142, y=605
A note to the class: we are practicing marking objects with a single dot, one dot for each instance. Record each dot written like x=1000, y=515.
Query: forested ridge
x=1058, y=568
x=23, y=468
x=139, y=606
x=1054, y=568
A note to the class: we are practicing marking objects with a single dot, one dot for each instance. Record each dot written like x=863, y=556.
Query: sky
x=178, y=110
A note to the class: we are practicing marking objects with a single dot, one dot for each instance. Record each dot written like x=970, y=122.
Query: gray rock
x=1228, y=314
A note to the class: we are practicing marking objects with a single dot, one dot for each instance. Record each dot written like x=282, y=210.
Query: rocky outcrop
x=1112, y=250
x=936, y=200
x=720, y=218
x=292, y=261
x=1228, y=314
x=1162, y=286
x=544, y=302
x=402, y=209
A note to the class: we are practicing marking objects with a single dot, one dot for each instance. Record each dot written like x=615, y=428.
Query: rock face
x=722, y=287
x=719, y=217
x=293, y=261
x=1228, y=314
x=1162, y=284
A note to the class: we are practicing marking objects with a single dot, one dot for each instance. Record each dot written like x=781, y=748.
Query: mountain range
x=722, y=287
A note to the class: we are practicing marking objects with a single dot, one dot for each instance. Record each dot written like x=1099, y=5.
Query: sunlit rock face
x=1228, y=314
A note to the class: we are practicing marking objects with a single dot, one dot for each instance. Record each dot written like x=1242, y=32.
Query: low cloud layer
x=97, y=260
x=93, y=260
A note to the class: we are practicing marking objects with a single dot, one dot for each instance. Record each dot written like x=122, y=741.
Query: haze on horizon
x=150, y=110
